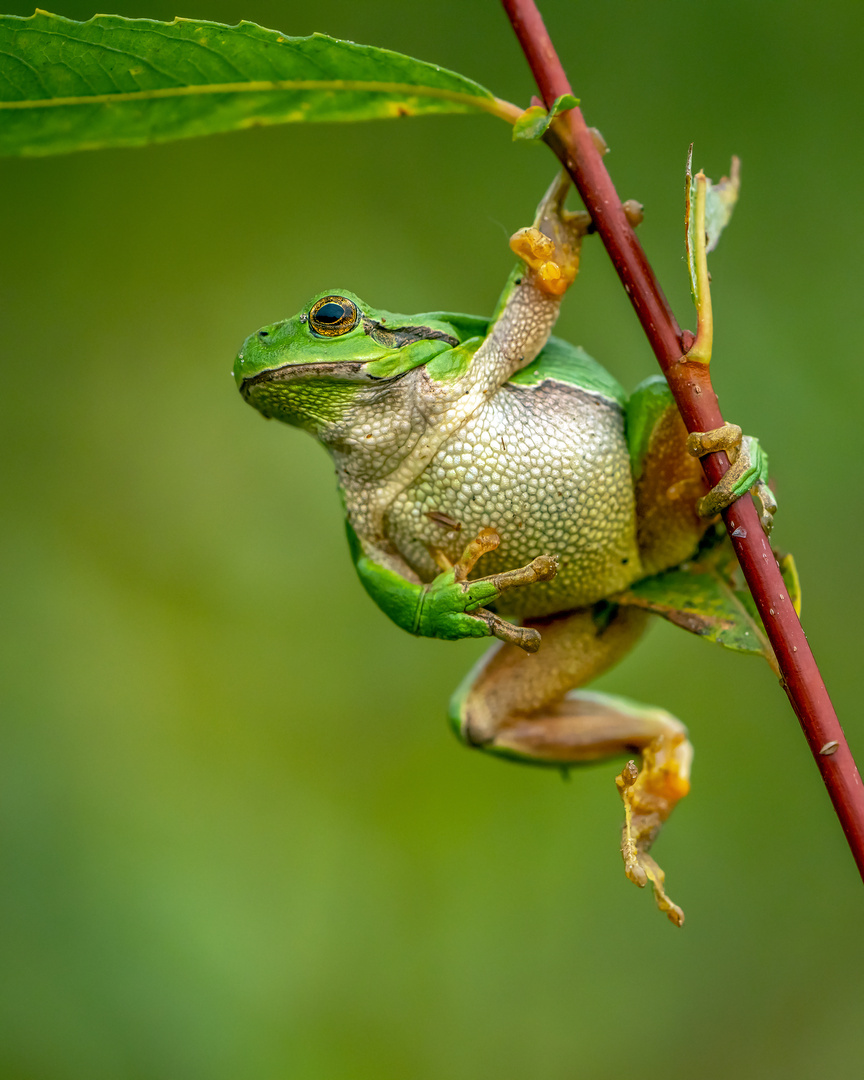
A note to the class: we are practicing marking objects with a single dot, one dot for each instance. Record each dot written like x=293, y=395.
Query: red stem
x=690, y=383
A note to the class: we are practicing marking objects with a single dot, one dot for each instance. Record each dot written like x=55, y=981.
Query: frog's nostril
x=263, y=333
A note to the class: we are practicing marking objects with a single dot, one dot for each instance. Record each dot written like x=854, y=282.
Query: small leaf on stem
x=533, y=124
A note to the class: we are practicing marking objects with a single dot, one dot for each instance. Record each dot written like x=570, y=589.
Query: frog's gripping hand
x=451, y=606
x=550, y=247
x=748, y=471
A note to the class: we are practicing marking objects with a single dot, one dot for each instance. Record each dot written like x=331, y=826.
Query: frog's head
x=318, y=368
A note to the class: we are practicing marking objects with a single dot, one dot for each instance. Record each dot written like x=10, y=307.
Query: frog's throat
x=517, y=335
x=454, y=405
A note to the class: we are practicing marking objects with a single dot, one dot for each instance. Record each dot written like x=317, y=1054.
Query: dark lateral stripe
x=394, y=337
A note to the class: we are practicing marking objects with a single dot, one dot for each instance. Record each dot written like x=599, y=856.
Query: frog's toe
x=543, y=568
x=554, y=268
x=485, y=590
x=524, y=637
x=485, y=541
x=766, y=504
x=748, y=471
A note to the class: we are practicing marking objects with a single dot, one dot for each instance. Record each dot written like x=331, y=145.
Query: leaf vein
x=126, y=53
x=21, y=60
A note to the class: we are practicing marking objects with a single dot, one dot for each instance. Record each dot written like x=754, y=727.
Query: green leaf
x=702, y=597
x=534, y=122
x=111, y=81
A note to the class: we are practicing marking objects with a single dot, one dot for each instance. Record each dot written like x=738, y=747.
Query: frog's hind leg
x=522, y=707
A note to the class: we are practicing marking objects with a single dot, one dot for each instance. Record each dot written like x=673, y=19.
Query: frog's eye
x=333, y=315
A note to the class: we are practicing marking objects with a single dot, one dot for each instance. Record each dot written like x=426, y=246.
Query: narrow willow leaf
x=111, y=81
x=720, y=200
x=534, y=122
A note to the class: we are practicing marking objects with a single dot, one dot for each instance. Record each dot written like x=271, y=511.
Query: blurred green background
x=238, y=839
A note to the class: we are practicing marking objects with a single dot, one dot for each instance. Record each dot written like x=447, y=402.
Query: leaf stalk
x=700, y=350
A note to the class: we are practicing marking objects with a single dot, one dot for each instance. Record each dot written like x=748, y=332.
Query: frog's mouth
x=347, y=370
x=317, y=395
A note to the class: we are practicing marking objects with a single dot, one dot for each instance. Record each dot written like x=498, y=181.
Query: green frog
x=460, y=441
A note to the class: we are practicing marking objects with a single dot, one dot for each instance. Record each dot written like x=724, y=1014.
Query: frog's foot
x=748, y=471
x=543, y=568
x=649, y=795
x=550, y=247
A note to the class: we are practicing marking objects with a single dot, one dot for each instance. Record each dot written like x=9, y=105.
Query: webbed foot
x=748, y=471
x=649, y=795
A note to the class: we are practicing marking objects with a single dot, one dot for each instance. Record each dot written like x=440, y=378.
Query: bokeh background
x=238, y=838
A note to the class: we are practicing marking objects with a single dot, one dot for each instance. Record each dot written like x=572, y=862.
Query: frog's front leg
x=450, y=606
x=748, y=471
x=543, y=568
x=525, y=708
x=528, y=306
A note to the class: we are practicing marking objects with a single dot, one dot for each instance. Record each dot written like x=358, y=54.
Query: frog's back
x=569, y=365
x=544, y=462
x=558, y=360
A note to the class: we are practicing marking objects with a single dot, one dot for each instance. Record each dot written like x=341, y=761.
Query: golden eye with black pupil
x=332, y=316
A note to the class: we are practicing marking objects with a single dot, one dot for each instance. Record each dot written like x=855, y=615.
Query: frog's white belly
x=547, y=467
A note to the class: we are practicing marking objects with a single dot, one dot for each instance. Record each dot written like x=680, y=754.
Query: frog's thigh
x=509, y=688
x=525, y=706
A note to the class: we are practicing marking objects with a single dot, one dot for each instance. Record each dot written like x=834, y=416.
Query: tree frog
x=460, y=441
